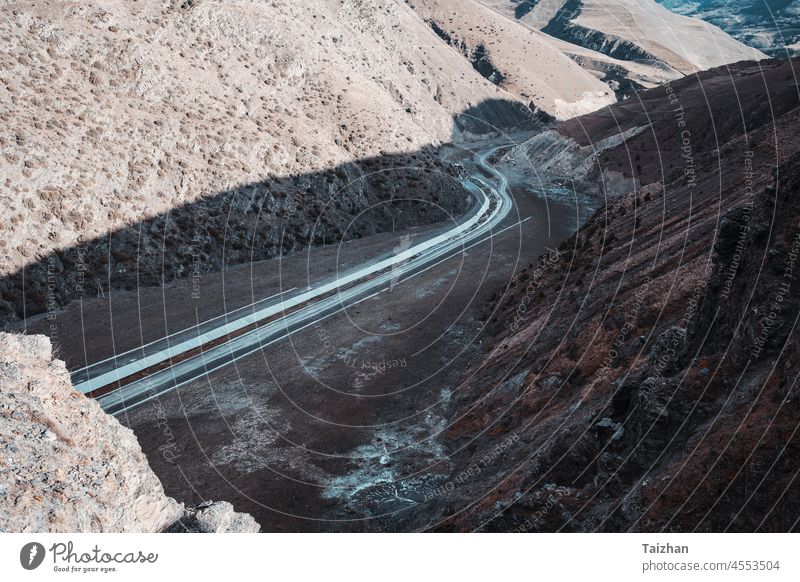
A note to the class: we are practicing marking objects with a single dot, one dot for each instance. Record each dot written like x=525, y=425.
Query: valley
x=405, y=266
x=350, y=433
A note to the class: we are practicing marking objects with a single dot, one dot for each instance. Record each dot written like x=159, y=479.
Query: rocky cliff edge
x=67, y=466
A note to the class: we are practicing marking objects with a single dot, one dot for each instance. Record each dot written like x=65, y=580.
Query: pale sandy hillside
x=114, y=111
x=518, y=59
x=527, y=11
x=624, y=77
x=667, y=36
x=640, y=30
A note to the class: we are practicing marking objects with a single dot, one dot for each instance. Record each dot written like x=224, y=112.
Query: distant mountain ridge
x=631, y=30
x=772, y=26
x=628, y=44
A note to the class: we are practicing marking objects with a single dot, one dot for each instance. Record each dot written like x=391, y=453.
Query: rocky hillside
x=143, y=142
x=772, y=26
x=248, y=120
x=643, y=375
x=522, y=61
x=631, y=30
x=69, y=467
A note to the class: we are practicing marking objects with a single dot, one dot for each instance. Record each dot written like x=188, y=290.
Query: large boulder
x=67, y=466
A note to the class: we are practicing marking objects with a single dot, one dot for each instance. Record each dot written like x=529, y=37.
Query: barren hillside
x=516, y=58
x=118, y=112
x=638, y=30
x=769, y=25
x=643, y=375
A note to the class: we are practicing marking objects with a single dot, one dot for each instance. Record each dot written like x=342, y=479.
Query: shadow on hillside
x=258, y=221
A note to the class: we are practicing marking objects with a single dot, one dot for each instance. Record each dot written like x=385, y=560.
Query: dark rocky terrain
x=643, y=376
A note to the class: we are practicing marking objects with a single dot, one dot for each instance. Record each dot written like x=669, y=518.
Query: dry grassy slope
x=113, y=111
x=528, y=65
x=682, y=43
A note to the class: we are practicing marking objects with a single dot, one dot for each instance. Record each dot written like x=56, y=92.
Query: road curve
x=134, y=377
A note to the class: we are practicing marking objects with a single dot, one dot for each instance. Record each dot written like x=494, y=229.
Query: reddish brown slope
x=644, y=378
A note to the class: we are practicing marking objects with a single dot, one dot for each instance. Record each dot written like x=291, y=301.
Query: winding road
x=129, y=379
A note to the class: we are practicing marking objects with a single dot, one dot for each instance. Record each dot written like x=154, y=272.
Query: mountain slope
x=639, y=30
x=520, y=60
x=643, y=375
x=772, y=26
x=117, y=112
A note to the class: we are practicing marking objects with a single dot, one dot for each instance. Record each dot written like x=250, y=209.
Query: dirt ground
x=91, y=330
x=337, y=428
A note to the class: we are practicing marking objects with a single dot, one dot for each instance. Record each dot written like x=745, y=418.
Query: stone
x=72, y=467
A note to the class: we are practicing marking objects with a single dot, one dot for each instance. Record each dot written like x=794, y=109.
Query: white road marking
x=454, y=255
x=188, y=329
x=406, y=261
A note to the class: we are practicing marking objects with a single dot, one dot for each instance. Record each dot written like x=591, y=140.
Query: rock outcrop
x=215, y=517
x=69, y=467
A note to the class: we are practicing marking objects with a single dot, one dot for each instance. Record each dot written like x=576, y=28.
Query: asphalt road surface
x=336, y=418
x=139, y=375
